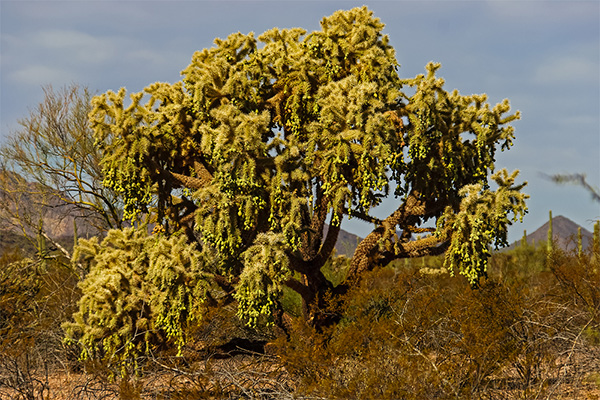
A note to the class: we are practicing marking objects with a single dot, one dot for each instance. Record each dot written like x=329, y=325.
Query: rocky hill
x=25, y=206
x=564, y=232
x=346, y=243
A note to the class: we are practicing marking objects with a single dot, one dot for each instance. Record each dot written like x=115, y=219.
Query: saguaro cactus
x=75, y=236
x=579, y=242
x=596, y=242
x=41, y=240
x=550, y=241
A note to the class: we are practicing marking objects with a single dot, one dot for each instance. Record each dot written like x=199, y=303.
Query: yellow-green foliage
x=140, y=293
x=482, y=221
x=266, y=136
x=261, y=281
x=267, y=118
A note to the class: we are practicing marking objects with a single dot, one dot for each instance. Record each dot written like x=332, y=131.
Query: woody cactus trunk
x=265, y=140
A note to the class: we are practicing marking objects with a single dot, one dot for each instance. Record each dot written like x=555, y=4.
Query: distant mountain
x=10, y=241
x=58, y=217
x=346, y=243
x=24, y=204
x=564, y=232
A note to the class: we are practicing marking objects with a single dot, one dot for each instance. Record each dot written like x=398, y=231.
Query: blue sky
x=542, y=55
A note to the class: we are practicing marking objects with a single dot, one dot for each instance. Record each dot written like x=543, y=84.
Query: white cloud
x=145, y=55
x=567, y=69
x=77, y=45
x=39, y=75
x=543, y=11
x=62, y=56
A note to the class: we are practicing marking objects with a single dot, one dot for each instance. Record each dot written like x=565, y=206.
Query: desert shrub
x=578, y=277
x=522, y=264
x=406, y=334
x=380, y=349
x=291, y=302
x=36, y=296
x=529, y=330
x=19, y=285
x=336, y=268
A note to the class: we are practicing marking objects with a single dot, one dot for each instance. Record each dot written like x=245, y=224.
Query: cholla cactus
x=142, y=291
x=266, y=138
x=261, y=282
x=481, y=222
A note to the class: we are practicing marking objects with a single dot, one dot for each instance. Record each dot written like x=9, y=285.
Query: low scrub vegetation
x=530, y=329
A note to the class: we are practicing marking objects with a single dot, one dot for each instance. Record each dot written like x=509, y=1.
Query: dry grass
x=257, y=377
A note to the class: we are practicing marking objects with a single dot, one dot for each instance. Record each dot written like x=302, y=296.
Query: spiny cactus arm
x=363, y=216
x=299, y=288
x=330, y=240
x=266, y=270
x=482, y=221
